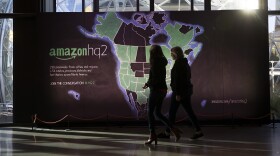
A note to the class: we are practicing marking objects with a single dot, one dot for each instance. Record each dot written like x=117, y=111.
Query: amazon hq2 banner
x=94, y=65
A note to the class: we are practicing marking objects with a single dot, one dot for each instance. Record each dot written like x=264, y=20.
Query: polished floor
x=128, y=141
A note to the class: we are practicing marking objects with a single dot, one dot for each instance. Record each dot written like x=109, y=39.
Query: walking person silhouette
x=182, y=90
x=158, y=90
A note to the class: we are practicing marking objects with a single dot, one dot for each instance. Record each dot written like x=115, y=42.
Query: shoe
x=152, y=138
x=197, y=135
x=176, y=132
x=163, y=135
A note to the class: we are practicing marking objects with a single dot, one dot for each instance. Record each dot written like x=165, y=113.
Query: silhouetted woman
x=158, y=90
x=182, y=89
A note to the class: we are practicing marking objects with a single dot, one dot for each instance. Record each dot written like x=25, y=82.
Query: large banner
x=94, y=65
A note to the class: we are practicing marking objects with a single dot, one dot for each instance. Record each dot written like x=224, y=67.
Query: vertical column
x=96, y=6
x=207, y=5
x=137, y=5
x=54, y=5
x=83, y=5
x=152, y=5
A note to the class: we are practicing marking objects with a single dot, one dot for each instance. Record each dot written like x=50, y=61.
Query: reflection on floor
x=128, y=141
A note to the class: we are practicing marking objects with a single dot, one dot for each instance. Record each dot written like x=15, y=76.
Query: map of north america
x=132, y=38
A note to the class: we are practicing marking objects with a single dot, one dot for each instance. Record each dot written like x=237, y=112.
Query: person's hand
x=178, y=98
x=145, y=86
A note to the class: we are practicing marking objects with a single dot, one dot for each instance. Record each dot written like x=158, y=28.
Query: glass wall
x=117, y=5
x=234, y=4
x=5, y=6
x=198, y=5
x=68, y=5
x=89, y=5
x=274, y=5
x=144, y=5
x=6, y=64
x=274, y=56
x=121, y=5
x=172, y=5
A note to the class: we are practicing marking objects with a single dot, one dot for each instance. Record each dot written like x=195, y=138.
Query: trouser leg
x=158, y=114
x=150, y=111
x=186, y=103
x=173, y=110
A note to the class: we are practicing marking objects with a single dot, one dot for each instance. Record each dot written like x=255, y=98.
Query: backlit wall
x=94, y=65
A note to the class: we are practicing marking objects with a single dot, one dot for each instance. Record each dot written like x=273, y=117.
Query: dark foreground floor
x=128, y=141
